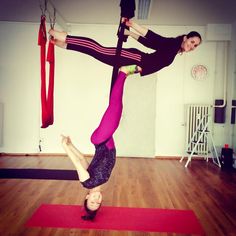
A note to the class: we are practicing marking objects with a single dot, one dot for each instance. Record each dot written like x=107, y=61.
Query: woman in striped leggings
x=147, y=63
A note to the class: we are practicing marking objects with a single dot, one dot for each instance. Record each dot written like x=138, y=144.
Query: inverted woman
x=165, y=48
x=92, y=176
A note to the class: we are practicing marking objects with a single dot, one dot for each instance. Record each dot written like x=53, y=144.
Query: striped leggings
x=107, y=55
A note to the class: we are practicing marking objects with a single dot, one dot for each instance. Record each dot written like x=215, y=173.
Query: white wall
x=19, y=83
x=224, y=133
x=232, y=86
x=176, y=87
x=81, y=95
x=153, y=118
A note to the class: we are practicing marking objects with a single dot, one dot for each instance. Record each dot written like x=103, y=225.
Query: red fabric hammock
x=46, y=99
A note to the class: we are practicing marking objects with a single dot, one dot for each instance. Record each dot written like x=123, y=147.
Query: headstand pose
x=93, y=175
x=165, y=48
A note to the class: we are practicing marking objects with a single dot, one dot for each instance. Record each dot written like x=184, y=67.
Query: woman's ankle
x=60, y=44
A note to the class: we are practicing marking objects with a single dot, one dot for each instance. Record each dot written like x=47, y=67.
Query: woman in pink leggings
x=93, y=175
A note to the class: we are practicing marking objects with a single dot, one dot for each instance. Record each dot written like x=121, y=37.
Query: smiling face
x=94, y=200
x=189, y=44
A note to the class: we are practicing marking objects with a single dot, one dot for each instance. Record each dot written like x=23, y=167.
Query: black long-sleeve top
x=165, y=51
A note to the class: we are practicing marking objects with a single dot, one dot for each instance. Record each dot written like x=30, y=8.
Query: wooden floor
x=151, y=183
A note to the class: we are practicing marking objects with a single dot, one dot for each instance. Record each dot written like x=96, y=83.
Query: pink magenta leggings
x=111, y=118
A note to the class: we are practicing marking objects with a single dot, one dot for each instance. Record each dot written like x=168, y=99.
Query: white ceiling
x=162, y=12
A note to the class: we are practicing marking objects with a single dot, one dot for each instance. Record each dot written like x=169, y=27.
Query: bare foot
x=61, y=36
x=132, y=69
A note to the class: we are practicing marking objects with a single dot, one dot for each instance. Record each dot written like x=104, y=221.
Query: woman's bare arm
x=79, y=154
x=138, y=28
x=82, y=172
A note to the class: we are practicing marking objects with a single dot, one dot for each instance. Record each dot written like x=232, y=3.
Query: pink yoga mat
x=118, y=218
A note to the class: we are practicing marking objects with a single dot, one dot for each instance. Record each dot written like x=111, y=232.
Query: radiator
x=197, y=117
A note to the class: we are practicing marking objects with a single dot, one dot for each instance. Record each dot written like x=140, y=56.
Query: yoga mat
x=117, y=218
x=38, y=174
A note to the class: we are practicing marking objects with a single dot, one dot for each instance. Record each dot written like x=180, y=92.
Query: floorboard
x=136, y=182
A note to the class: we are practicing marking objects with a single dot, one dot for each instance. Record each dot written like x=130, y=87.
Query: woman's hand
x=127, y=21
x=66, y=140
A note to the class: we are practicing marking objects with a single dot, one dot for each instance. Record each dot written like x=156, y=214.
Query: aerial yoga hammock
x=46, y=98
x=127, y=11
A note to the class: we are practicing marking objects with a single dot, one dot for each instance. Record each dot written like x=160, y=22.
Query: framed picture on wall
x=199, y=72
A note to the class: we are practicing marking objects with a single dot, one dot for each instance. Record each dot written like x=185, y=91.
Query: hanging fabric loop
x=46, y=96
x=127, y=11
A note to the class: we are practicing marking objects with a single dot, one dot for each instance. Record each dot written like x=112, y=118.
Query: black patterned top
x=101, y=166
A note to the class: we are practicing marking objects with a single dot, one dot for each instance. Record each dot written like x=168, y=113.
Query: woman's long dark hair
x=194, y=34
x=90, y=215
